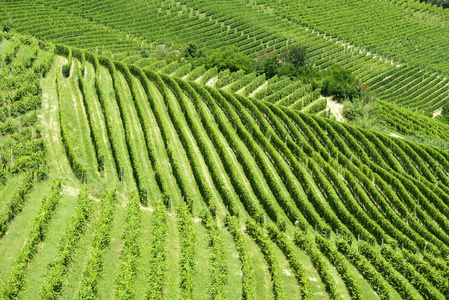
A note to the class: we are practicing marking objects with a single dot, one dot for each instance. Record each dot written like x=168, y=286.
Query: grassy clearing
x=48, y=115
x=216, y=158
x=81, y=124
x=179, y=155
x=367, y=291
x=290, y=285
x=317, y=288
x=109, y=175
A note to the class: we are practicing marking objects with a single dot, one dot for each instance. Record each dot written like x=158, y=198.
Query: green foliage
x=366, y=269
x=219, y=270
x=73, y=156
x=227, y=59
x=267, y=249
x=8, y=25
x=296, y=55
x=289, y=251
x=192, y=51
x=363, y=114
x=15, y=205
x=67, y=52
x=188, y=251
x=402, y=286
x=248, y=274
x=445, y=109
x=442, y=3
x=157, y=270
x=127, y=270
x=339, y=83
x=38, y=233
x=341, y=264
x=101, y=241
x=94, y=134
x=59, y=266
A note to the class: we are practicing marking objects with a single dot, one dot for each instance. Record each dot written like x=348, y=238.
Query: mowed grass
x=109, y=175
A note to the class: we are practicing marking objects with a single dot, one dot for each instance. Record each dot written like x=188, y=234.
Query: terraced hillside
x=163, y=187
x=398, y=50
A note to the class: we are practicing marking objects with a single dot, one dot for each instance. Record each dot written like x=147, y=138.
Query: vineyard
x=410, y=72
x=132, y=178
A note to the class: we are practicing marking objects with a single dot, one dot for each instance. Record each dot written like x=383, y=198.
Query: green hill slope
x=410, y=72
x=193, y=192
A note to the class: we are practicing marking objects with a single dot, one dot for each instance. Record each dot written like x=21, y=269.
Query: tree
x=270, y=65
x=7, y=25
x=295, y=55
x=340, y=83
x=192, y=51
x=228, y=59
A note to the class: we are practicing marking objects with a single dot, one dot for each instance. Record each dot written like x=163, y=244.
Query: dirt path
x=437, y=112
x=395, y=135
x=335, y=108
x=212, y=81
x=258, y=89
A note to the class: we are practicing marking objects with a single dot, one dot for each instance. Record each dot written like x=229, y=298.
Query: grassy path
x=197, y=153
x=76, y=271
x=138, y=140
x=230, y=153
x=262, y=276
x=233, y=289
x=109, y=174
x=216, y=160
x=176, y=147
x=155, y=135
x=87, y=150
x=114, y=115
x=7, y=191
